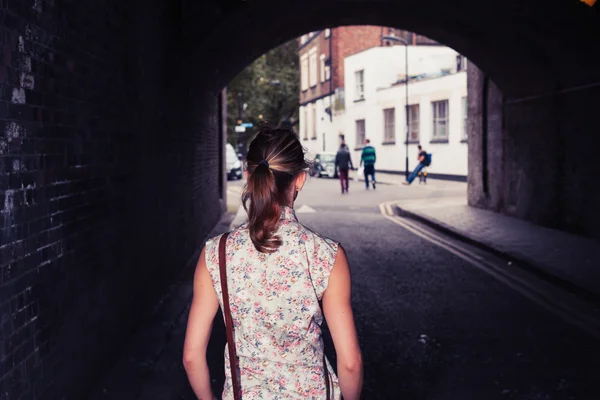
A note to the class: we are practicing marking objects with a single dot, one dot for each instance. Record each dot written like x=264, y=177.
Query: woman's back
x=275, y=309
x=277, y=272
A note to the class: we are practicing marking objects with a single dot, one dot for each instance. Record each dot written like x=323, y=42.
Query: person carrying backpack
x=424, y=161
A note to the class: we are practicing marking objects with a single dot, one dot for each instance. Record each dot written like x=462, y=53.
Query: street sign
x=240, y=129
x=247, y=125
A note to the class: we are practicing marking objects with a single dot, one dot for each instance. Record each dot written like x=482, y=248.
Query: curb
x=378, y=182
x=522, y=262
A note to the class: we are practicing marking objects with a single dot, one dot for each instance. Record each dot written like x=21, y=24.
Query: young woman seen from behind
x=277, y=272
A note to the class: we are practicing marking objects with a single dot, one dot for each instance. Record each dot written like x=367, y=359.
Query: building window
x=312, y=73
x=413, y=123
x=314, y=121
x=440, y=119
x=360, y=132
x=306, y=122
x=327, y=72
x=389, y=125
x=359, y=77
x=303, y=39
x=339, y=99
x=323, y=68
x=304, y=72
x=465, y=130
x=327, y=32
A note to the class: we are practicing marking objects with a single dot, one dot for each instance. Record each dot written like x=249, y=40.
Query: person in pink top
x=278, y=271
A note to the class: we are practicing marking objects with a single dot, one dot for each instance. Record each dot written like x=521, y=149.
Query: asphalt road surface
x=431, y=325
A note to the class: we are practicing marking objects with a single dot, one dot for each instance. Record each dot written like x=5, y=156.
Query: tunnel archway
x=520, y=45
x=534, y=67
x=112, y=130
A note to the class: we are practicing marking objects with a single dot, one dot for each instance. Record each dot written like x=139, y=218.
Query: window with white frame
x=465, y=130
x=413, y=123
x=360, y=132
x=440, y=119
x=306, y=122
x=303, y=39
x=304, y=72
x=312, y=73
x=322, y=71
x=359, y=77
x=327, y=72
x=389, y=125
x=314, y=121
x=327, y=32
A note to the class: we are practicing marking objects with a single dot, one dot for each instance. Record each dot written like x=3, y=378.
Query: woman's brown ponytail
x=275, y=158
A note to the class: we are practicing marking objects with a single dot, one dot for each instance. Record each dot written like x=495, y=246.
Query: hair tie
x=264, y=162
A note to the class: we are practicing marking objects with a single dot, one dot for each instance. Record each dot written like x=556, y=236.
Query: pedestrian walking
x=368, y=158
x=423, y=158
x=343, y=163
x=269, y=276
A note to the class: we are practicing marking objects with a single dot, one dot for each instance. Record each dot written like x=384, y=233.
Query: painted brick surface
x=108, y=184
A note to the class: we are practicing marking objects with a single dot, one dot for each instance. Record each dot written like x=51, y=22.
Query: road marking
x=562, y=304
x=305, y=209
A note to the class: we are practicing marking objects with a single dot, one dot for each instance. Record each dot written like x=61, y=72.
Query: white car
x=234, y=165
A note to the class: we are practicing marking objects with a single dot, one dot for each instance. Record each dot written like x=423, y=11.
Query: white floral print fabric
x=274, y=301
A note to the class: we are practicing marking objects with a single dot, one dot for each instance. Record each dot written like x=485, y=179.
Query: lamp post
x=397, y=39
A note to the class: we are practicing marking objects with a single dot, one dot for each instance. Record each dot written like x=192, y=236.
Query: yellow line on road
x=562, y=304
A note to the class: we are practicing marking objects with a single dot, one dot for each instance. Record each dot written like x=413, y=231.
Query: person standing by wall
x=422, y=157
x=368, y=158
x=343, y=162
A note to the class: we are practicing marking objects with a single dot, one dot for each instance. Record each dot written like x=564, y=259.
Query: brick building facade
x=322, y=55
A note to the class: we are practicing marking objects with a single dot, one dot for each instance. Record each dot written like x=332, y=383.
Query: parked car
x=234, y=165
x=324, y=165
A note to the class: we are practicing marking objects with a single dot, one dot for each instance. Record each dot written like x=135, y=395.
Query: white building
x=375, y=107
x=316, y=126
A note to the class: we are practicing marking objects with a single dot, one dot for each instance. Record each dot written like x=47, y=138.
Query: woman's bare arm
x=205, y=305
x=340, y=320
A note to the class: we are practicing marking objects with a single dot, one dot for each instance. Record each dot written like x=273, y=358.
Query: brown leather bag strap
x=228, y=319
x=327, y=381
x=326, y=370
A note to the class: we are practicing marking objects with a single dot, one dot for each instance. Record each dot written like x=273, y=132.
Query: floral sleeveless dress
x=275, y=310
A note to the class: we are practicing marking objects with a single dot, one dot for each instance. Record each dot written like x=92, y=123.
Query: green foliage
x=269, y=88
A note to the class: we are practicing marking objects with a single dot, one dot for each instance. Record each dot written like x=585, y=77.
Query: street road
x=432, y=325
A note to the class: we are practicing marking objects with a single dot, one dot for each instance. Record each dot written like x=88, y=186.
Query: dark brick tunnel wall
x=533, y=157
x=109, y=183
x=109, y=174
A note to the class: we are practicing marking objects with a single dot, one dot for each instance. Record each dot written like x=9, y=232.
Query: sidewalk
x=562, y=258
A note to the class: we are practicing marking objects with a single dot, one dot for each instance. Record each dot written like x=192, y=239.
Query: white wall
x=327, y=138
x=381, y=65
x=385, y=65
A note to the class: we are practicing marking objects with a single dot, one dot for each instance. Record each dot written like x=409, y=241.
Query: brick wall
x=108, y=183
x=348, y=40
x=528, y=158
x=322, y=44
